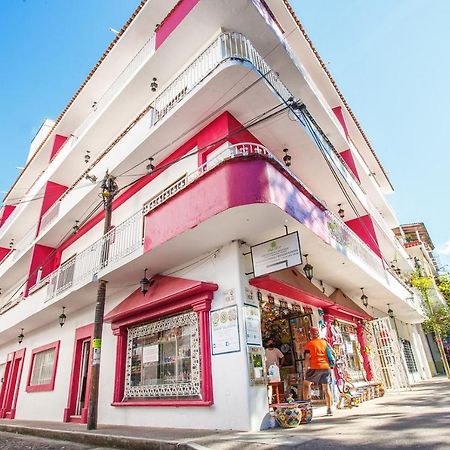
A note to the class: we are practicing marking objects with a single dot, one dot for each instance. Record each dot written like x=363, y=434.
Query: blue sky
x=389, y=58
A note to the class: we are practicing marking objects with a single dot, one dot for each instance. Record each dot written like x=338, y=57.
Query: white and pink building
x=224, y=130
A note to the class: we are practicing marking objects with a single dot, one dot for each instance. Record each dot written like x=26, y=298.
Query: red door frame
x=11, y=384
x=81, y=335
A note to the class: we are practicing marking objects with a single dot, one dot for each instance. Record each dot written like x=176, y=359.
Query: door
x=78, y=398
x=385, y=355
x=10, y=386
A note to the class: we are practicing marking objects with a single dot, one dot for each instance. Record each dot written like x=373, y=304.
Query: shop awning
x=346, y=305
x=289, y=283
x=164, y=290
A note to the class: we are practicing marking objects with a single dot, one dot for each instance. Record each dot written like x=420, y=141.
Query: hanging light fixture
x=287, y=158
x=145, y=283
x=154, y=84
x=20, y=337
x=62, y=317
x=87, y=156
x=341, y=211
x=390, y=312
x=150, y=167
x=76, y=227
x=308, y=269
x=260, y=297
x=11, y=244
x=364, y=298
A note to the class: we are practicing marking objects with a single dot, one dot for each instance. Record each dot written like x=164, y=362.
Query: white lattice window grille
x=163, y=359
x=43, y=367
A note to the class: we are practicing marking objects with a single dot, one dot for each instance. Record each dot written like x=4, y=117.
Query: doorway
x=10, y=386
x=78, y=399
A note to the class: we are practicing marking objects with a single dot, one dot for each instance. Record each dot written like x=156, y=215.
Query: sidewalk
x=419, y=418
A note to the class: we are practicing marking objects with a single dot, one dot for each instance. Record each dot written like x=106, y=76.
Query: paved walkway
x=415, y=419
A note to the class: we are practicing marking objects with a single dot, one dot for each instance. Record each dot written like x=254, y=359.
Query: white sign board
x=252, y=318
x=276, y=254
x=150, y=353
x=225, y=330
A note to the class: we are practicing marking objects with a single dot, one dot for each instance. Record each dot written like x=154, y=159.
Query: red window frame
x=49, y=386
x=197, y=300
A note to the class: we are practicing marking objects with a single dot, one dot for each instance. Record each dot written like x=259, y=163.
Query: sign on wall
x=276, y=254
x=225, y=330
x=252, y=318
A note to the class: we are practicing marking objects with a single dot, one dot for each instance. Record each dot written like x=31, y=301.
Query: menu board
x=225, y=330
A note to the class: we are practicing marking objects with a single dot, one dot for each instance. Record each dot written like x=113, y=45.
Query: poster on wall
x=252, y=318
x=225, y=330
x=276, y=254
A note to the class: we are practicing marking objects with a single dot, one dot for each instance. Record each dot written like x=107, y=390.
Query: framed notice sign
x=225, y=330
x=276, y=254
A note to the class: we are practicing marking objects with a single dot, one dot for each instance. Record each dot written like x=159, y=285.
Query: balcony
x=111, y=251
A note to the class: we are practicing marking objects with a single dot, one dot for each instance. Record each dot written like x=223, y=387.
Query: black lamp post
x=62, y=317
x=390, y=312
x=20, y=337
x=308, y=269
x=145, y=283
x=364, y=298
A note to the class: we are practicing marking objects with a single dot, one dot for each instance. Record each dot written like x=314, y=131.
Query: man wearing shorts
x=317, y=368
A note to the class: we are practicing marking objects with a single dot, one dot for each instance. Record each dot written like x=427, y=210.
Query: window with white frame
x=163, y=359
x=2, y=372
x=42, y=371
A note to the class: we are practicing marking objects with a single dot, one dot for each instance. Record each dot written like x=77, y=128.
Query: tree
x=443, y=284
x=438, y=316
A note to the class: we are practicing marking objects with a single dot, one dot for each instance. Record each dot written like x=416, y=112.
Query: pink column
x=362, y=345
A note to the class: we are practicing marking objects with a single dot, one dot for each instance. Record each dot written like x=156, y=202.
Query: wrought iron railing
x=118, y=243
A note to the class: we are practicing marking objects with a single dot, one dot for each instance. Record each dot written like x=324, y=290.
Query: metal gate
x=385, y=356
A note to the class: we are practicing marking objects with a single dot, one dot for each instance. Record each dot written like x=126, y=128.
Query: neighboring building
x=417, y=242
x=224, y=130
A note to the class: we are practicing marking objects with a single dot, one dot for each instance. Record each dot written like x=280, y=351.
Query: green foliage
x=438, y=322
x=421, y=283
x=443, y=283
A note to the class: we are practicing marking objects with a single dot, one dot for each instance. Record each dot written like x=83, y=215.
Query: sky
x=388, y=57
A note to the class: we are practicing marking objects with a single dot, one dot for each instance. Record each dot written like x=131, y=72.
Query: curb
x=98, y=439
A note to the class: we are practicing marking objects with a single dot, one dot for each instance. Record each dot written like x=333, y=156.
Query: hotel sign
x=276, y=254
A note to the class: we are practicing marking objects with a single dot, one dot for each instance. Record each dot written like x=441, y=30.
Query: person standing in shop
x=317, y=368
x=273, y=355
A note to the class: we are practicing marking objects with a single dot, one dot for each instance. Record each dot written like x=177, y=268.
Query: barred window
x=163, y=359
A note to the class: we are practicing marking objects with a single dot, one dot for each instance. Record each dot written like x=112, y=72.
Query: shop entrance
x=288, y=325
x=10, y=386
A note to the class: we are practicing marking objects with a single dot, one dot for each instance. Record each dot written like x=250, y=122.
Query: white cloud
x=445, y=249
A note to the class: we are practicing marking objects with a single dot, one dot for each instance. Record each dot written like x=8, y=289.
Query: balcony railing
x=142, y=56
x=50, y=216
x=118, y=243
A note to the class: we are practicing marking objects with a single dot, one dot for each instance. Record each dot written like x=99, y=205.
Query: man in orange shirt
x=317, y=368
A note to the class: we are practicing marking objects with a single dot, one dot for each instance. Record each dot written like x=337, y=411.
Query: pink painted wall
x=3, y=252
x=42, y=256
x=173, y=19
x=7, y=211
x=235, y=183
x=340, y=116
x=57, y=144
x=347, y=156
x=51, y=194
x=364, y=228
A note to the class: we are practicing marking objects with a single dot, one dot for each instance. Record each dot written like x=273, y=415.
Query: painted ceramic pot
x=307, y=411
x=288, y=415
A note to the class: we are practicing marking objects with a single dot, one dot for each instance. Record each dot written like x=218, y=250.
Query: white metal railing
x=227, y=46
x=118, y=243
x=50, y=216
x=141, y=57
x=25, y=242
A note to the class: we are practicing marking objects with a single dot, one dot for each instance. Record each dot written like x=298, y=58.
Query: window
x=2, y=372
x=42, y=372
x=163, y=359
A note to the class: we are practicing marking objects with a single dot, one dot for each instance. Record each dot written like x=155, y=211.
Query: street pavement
x=415, y=419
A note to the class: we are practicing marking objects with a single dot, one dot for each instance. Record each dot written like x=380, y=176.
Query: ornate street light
x=308, y=269
x=20, y=337
x=146, y=283
x=390, y=312
x=341, y=211
x=364, y=298
x=62, y=317
x=287, y=158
